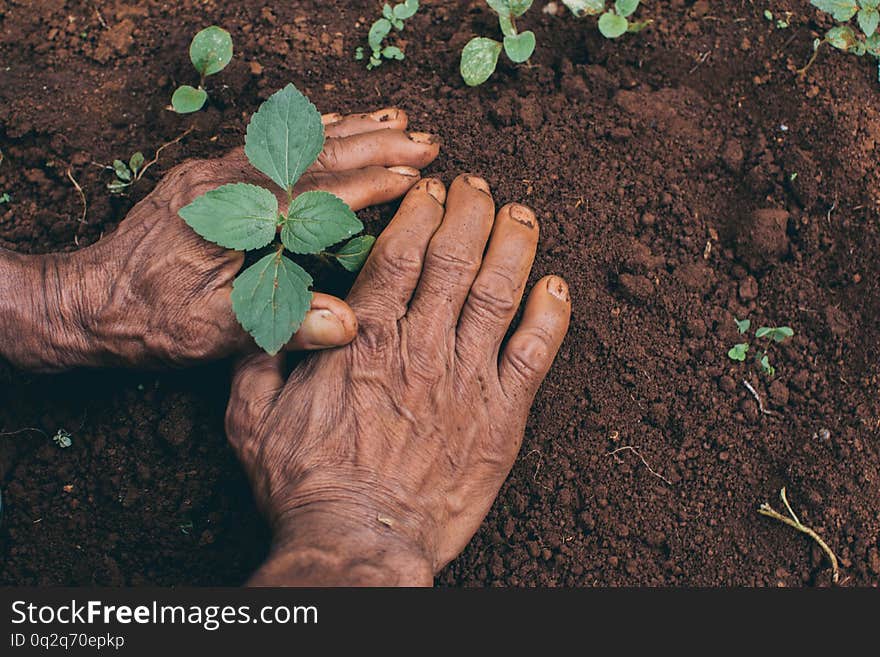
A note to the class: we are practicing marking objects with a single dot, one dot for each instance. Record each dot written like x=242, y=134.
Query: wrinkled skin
x=377, y=462
x=155, y=294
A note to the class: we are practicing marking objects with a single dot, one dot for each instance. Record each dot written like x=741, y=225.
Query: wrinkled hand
x=377, y=462
x=155, y=294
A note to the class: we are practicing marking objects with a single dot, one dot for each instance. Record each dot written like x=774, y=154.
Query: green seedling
x=615, y=19
x=63, y=439
x=126, y=174
x=792, y=521
x=861, y=41
x=781, y=23
x=392, y=18
x=271, y=297
x=479, y=58
x=770, y=336
x=210, y=52
x=5, y=198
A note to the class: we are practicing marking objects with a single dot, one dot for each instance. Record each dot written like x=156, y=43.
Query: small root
x=757, y=397
x=82, y=195
x=635, y=450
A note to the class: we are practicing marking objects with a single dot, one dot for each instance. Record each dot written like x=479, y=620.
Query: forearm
x=42, y=318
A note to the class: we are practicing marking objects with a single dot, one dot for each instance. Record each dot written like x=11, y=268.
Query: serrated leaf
x=520, y=47
x=270, y=299
x=626, y=8
x=121, y=170
x=236, y=216
x=842, y=37
x=284, y=137
x=738, y=352
x=354, y=254
x=612, y=26
x=582, y=8
x=316, y=220
x=187, y=99
x=136, y=162
x=211, y=50
x=869, y=19
x=841, y=10
x=378, y=31
x=479, y=59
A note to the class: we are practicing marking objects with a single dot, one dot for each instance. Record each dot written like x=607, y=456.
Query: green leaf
x=406, y=9
x=763, y=332
x=626, y=8
x=506, y=24
x=387, y=11
x=317, y=220
x=284, y=137
x=520, y=47
x=121, y=170
x=782, y=333
x=842, y=37
x=236, y=216
x=766, y=367
x=519, y=7
x=270, y=299
x=842, y=10
x=379, y=30
x=869, y=19
x=500, y=7
x=582, y=8
x=743, y=325
x=872, y=44
x=187, y=99
x=211, y=50
x=612, y=26
x=354, y=254
x=738, y=352
x=136, y=162
x=479, y=59
x=117, y=186
x=359, y=53
x=869, y=4
x=392, y=52
x=638, y=26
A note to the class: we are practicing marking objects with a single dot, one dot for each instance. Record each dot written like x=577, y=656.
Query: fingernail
x=330, y=119
x=558, y=288
x=435, y=188
x=406, y=171
x=477, y=183
x=423, y=138
x=521, y=214
x=321, y=328
x=385, y=115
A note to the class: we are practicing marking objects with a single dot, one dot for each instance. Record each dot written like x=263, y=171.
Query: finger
x=387, y=281
x=360, y=188
x=498, y=289
x=336, y=125
x=532, y=348
x=383, y=148
x=329, y=323
x=454, y=256
x=257, y=379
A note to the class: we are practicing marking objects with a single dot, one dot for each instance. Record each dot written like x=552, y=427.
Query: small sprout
x=864, y=40
x=392, y=18
x=479, y=58
x=210, y=52
x=186, y=527
x=63, y=439
x=743, y=325
x=771, y=335
x=738, y=352
x=128, y=174
x=5, y=198
x=271, y=297
x=614, y=21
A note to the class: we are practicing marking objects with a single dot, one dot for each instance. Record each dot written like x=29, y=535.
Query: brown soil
x=645, y=158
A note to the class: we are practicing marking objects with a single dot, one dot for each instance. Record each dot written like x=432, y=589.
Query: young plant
x=392, y=17
x=614, y=21
x=126, y=174
x=210, y=52
x=271, y=297
x=862, y=41
x=63, y=439
x=739, y=352
x=480, y=56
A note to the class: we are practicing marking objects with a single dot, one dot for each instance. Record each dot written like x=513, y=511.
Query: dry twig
x=635, y=450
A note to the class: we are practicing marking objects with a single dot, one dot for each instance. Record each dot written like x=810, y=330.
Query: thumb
x=256, y=381
x=329, y=323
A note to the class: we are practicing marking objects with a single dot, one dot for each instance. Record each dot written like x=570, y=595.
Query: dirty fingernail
x=423, y=138
x=558, y=288
x=384, y=115
x=406, y=171
x=330, y=119
x=435, y=188
x=522, y=215
x=321, y=328
x=477, y=183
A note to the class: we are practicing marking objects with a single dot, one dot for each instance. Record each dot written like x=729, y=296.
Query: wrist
x=44, y=318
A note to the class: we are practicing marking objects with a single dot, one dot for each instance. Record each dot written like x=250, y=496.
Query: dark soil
x=646, y=159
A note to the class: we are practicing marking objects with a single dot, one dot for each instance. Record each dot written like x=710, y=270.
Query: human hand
x=155, y=294
x=376, y=462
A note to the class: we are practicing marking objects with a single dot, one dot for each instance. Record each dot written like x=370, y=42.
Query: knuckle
x=527, y=353
x=450, y=265
x=494, y=295
x=329, y=157
x=397, y=260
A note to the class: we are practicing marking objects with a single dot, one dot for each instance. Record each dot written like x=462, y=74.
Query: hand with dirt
x=376, y=462
x=155, y=294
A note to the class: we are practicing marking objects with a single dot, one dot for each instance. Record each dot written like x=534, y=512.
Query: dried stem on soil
x=757, y=397
x=635, y=450
x=767, y=510
x=82, y=195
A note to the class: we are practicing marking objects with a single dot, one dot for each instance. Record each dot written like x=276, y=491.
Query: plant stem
x=767, y=510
